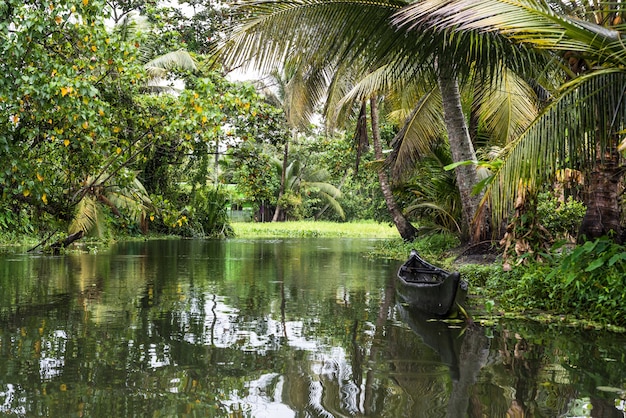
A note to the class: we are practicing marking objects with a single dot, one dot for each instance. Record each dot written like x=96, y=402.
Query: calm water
x=273, y=328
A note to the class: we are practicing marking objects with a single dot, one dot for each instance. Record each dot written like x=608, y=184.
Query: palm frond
x=541, y=24
x=565, y=135
x=160, y=66
x=323, y=187
x=86, y=216
x=274, y=30
x=334, y=204
x=420, y=131
x=439, y=215
x=506, y=106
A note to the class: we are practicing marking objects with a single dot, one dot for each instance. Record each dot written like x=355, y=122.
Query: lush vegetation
x=115, y=129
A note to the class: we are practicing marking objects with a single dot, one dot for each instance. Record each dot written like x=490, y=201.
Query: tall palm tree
x=584, y=123
x=358, y=39
x=294, y=93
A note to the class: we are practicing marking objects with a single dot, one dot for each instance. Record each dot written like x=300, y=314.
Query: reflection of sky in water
x=7, y=398
x=223, y=328
x=264, y=399
x=52, y=358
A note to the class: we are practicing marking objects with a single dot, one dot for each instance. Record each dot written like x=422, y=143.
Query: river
x=273, y=328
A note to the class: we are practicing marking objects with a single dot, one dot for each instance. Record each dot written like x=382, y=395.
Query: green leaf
x=596, y=264
x=459, y=164
x=617, y=258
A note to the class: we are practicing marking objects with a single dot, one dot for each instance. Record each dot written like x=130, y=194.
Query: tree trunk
x=56, y=247
x=474, y=228
x=283, y=175
x=602, y=201
x=407, y=231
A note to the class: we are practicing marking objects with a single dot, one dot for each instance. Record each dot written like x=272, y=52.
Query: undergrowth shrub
x=433, y=248
x=560, y=218
x=479, y=274
x=588, y=281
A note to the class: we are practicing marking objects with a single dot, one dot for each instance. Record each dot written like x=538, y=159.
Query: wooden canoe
x=428, y=288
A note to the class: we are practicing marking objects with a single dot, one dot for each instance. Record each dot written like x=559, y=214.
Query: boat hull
x=424, y=287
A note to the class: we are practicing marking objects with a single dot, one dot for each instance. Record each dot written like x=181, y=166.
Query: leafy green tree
x=79, y=125
x=57, y=126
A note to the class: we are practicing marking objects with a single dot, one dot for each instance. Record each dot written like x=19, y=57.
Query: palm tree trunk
x=602, y=199
x=407, y=231
x=283, y=174
x=474, y=228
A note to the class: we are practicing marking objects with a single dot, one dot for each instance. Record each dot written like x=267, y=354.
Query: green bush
x=209, y=215
x=559, y=218
x=589, y=281
x=592, y=279
x=479, y=274
x=431, y=247
x=292, y=205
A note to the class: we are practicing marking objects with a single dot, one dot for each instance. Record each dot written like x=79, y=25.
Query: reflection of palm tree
x=473, y=356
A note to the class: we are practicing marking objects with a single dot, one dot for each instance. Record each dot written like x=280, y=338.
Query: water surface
x=273, y=328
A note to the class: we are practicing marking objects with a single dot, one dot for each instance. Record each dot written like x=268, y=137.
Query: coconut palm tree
x=295, y=94
x=582, y=126
x=299, y=180
x=359, y=39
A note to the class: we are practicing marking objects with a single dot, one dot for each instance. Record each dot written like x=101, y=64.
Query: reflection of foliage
x=156, y=332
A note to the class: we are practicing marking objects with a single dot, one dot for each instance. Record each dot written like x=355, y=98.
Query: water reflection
x=281, y=328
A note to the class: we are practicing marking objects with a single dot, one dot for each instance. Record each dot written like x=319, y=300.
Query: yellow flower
x=44, y=198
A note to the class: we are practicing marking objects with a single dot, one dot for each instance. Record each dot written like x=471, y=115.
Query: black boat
x=428, y=288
